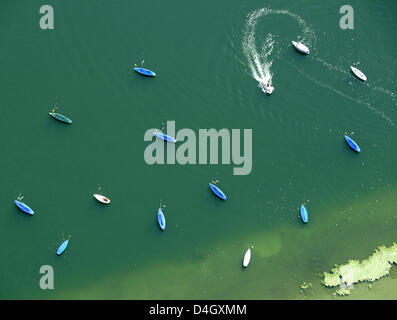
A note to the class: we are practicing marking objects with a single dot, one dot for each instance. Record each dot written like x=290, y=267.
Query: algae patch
x=306, y=285
x=375, y=267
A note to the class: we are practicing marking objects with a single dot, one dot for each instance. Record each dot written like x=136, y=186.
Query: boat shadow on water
x=297, y=55
x=57, y=125
x=24, y=215
x=214, y=200
x=143, y=78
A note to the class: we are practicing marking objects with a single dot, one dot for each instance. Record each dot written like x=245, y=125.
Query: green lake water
x=209, y=57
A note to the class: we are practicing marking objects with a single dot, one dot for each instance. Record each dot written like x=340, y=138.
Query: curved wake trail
x=259, y=61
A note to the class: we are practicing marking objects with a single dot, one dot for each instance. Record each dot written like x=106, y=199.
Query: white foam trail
x=367, y=104
x=386, y=91
x=369, y=86
x=259, y=61
x=330, y=66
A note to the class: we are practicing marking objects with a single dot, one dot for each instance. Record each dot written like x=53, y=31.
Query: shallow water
x=209, y=57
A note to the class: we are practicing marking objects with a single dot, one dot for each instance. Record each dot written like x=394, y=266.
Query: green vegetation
x=306, y=285
x=375, y=267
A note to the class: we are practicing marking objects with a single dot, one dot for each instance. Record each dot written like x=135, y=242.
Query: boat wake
x=258, y=52
x=331, y=67
x=259, y=60
x=369, y=87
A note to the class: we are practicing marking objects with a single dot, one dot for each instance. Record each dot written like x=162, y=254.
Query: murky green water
x=208, y=57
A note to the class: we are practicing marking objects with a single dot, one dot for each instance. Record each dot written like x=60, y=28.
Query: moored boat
x=145, y=72
x=301, y=47
x=60, y=117
x=101, y=198
x=24, y=207
x=62, y=247
x=247, y=258
x=304, y=214
x=352, y=144
x=358, y=73
x=218, y=192
x=161, y=219
x=164, y=137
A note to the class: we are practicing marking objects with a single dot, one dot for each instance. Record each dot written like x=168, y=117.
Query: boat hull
x=247, y=258
x=145, y=72
x=25, y=208
x=268, y=90
x=304, y=215
x=358, y=73
x=164, y=137
x=300, y=47
x=352, y=144
x=60, y=117
x=102, y=198
x=62, y=247
x=218, y=192
x=161, y=219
